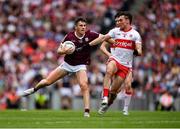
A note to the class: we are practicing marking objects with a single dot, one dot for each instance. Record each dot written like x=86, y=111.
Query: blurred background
x=31, y=30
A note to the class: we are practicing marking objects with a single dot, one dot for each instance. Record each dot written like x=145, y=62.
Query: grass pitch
x=75, y=119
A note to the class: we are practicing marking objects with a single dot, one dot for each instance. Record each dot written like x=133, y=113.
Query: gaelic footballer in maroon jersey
x=73, y=63
x=82, y=56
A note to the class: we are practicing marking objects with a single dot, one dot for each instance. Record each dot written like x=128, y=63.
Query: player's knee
x=84, y=86
x=128, y=87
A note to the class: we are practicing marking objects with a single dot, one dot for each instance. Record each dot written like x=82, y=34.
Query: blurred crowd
x=31, y=30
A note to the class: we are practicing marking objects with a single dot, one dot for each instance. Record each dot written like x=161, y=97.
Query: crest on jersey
x=86, y=39
x=80, y=41
x=130, y=35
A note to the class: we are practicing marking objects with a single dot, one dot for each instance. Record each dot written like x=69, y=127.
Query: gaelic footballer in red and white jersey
x=122, y=50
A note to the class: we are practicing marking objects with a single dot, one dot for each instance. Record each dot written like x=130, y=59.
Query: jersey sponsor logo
x=124, y=34
x=122, y=43
x=86, y=39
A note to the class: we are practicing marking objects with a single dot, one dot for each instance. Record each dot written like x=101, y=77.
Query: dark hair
x=126, y=14
x=80, y=19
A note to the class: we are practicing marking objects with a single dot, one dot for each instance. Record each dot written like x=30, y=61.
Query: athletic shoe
x=86, y=114
x=103, y=109
x=104, y=101
x=28, y=92
x=126, y=113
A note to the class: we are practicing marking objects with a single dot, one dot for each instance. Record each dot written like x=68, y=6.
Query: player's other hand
x=135, y=53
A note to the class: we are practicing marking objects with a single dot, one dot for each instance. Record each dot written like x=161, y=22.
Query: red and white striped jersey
x=122, y=50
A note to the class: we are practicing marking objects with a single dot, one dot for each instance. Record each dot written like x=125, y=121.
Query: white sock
x=127, y=100
x=121, y=95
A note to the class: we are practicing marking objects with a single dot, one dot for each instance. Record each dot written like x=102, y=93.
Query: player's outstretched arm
x=96, y=41
x=138, y=49
x=111, y=41
x=104, y=49
x=99, y=40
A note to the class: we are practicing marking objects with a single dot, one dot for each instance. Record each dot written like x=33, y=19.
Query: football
x=69, y=44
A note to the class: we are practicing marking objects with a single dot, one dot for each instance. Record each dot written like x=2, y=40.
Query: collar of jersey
x=78, y=36
x=127, y=30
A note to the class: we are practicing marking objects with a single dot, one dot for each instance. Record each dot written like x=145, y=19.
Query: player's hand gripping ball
x=69, y=47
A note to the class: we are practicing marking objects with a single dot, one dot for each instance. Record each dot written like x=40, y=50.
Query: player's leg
x=117, y=81
x=110, y=71
x=127, y=93
x=50, y=79
x=121, y=92
x=116, y=85
x=120, y=77
x=83, y=82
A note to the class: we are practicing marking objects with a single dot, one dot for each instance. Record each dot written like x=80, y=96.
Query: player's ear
x=75, y=27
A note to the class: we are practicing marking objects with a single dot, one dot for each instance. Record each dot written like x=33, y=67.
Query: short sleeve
x=111, y=33
x=66, y=38
x=94, y=34
x=138, y=39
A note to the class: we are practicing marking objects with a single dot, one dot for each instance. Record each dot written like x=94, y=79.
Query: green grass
x=75, y=119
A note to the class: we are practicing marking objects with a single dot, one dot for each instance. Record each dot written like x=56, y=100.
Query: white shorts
x=71, y=68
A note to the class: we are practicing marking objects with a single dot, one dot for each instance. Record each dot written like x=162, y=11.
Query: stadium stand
x=30, y=32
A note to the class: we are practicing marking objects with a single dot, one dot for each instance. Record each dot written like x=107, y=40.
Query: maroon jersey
x=82, y=56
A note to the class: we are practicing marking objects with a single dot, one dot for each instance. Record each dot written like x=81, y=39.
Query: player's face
x=80, y=28
x=121, y=22
x=117, y=22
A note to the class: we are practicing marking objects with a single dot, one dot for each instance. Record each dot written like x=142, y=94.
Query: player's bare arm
x=103, y=48
x=138, y=49
x=111, y=41
x=100, y=39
